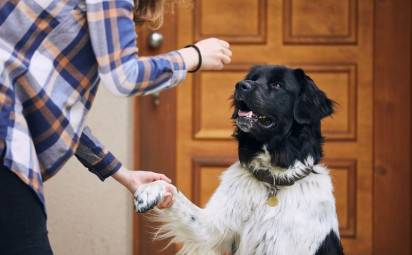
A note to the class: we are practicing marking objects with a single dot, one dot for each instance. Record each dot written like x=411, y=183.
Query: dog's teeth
x=248, y=114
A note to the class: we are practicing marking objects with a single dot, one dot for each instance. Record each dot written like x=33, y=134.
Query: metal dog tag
x=272, y=201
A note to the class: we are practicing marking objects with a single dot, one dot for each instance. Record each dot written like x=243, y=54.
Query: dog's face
x=271, y=99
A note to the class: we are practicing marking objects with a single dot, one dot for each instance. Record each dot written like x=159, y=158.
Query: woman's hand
x=133, y=179
x=215, y=54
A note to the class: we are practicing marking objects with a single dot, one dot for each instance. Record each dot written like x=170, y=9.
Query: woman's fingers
x=170, y=188
x=225, y=59
x=152, y=176
x=167, y=201
x=170, y=203
x=215, y=53
x=224, y=43
x=227, y=52
x=164, y=178
x=167, y=197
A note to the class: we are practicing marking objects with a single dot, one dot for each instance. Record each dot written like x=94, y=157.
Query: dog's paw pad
x=148, y=196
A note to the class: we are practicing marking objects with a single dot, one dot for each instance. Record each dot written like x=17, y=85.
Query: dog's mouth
x=246, y=118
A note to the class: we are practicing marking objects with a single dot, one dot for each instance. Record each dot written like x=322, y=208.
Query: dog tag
x=272, y=201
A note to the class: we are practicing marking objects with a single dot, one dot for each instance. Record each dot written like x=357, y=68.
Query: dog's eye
x=276, y=85
x=265, y=121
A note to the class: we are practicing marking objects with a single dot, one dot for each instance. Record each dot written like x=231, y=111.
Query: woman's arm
x=113, y=37
x=93, y=155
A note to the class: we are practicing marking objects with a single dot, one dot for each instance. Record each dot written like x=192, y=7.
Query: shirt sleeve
x=113, y=37
x=92, y=154
x=6, y=106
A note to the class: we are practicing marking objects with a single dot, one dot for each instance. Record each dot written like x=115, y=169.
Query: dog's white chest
x=238, y=216
x=297, y=225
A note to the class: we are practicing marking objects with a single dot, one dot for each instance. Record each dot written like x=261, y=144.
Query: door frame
x=392, y=178
x=155, y=126
x=392, y=115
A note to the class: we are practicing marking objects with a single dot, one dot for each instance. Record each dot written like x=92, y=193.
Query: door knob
x=155, y=40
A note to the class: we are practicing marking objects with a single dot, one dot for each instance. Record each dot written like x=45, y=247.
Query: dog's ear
x=312, y=104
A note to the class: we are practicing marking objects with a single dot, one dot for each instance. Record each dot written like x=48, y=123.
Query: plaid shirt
x=53, y=55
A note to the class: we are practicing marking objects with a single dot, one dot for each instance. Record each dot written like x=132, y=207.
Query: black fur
x=292, y=101
x=330, y=246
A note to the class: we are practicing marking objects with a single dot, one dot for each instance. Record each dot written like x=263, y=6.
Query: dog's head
x=272, y=101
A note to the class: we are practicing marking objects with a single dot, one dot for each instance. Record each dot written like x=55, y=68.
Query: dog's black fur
x=294, y=105
x=288, y=108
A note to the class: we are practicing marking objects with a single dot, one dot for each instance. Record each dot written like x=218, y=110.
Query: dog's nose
x=244, y=85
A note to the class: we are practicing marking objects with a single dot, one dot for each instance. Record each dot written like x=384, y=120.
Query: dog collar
x=282, y=179
x=276, y=181
x=276, y=178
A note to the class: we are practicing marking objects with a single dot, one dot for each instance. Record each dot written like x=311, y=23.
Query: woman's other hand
x=215, y=54
x=133, y=179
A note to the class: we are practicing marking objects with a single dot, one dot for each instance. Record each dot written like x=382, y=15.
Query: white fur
x=237, y=215
x=149, y=195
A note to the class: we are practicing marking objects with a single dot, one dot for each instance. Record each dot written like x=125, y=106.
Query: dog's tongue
x=248, y=114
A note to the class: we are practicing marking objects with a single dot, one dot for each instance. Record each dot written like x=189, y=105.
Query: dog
x=278, y=198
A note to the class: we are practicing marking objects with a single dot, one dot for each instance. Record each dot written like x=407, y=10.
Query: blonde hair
x=150, y=12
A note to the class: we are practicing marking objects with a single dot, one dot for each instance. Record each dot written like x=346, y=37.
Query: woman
x=53, y=56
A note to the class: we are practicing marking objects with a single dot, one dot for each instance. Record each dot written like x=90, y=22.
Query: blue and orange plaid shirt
x=53, y=56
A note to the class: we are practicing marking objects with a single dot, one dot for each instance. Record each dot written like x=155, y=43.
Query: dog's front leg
x=185, y=223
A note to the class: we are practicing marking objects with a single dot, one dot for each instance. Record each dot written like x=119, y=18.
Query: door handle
x=156, y=99
x=155, y=40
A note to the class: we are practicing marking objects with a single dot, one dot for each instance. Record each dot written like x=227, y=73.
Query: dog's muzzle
x=245, y=123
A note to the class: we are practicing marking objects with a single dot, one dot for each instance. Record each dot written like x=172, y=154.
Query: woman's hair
x=150, y=12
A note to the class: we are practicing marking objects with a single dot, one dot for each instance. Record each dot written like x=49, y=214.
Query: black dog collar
x=265, y=175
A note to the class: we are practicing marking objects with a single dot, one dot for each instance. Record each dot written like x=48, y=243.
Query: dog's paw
x=148, y=196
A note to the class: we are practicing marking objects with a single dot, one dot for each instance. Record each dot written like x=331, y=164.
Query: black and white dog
x=278, y=199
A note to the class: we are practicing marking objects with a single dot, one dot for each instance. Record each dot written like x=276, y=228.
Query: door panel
x=240, y=21
x=332, y=41
x=323, y=22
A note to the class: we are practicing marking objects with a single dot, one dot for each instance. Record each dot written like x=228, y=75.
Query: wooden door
x=331, y=40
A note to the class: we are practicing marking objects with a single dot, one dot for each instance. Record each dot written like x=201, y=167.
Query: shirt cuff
x=106, y=167
x=178, y=67
x=92, y=154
